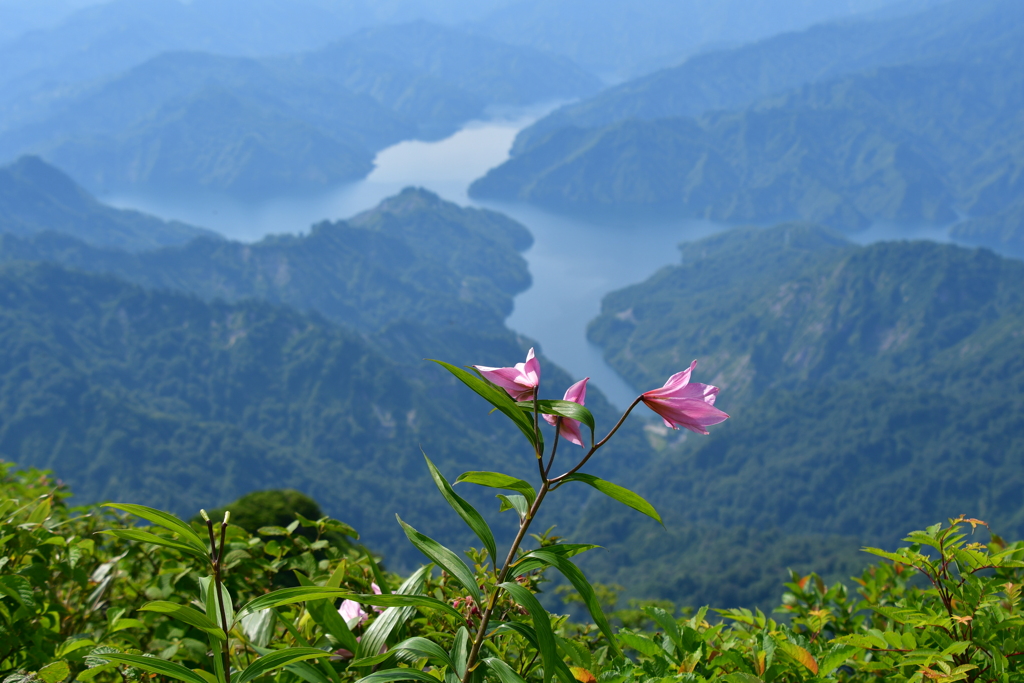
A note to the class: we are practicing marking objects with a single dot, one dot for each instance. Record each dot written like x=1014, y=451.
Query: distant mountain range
x=36, y=197
x=626, y=40
x=915, y=143
x=253, y=127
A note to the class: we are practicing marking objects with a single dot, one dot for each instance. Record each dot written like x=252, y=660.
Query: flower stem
x=216, y=556
x=593, y=449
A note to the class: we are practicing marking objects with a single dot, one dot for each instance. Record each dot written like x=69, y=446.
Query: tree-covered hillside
x=414, y=258
x=870, y=388
x=910, y=144
x=159, y=398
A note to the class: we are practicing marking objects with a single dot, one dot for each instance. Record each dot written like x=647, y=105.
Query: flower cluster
x=680, y=403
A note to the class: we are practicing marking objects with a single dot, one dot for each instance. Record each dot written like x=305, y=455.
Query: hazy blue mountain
x=621, y=39
x=1002, y=231
x=494, y=71
x=196, y=121
x=733, y=78
x=912, y=144
x=871, y=389
x=36, y=197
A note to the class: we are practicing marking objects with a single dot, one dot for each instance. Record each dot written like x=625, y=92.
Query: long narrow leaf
x=276, y=660
x=324, y=613
x=466, y=511
x=421, y=647
x=398, y=675
x=444, y=558
x=619, y=493
x=497, y=398
x=147, y=537
x=185, y=614
x=164, y=519
x=378, y=575
x=420, y=601
x=377, y=634
x=570, y=571
x=289, y=596
x=541, y=625
x=503, y=671
x=153, y=665
x=496, y=480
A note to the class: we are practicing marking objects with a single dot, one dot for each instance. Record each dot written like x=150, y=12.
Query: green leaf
x=567, y=409
x=290, y=596
x=834, y=658
x=276, y=660
x=502, y=671
x=444, y=558
x=324, y=613
x=421, y=647
x=54, y=672
x=619, y=493
x=641, y=644
x=376, y=635
x=460, y=651
x=466, y=511
x=378, y=575
x=667, y=623
x=570, y=571
x=166, y=520
x=398, y=675
x=258, y=627
x=147, y=537
x=497, y=398
x=420, y=601
x=541, y=626
x=496, y=480
x=514, y=502
x=186, y=614
x=210, y=604
x=161, y=667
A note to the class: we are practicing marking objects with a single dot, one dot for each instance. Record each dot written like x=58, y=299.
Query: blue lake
x=574, y=262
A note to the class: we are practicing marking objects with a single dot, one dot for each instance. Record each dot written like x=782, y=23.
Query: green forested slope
x=415, y=257
x=870, y=388
x=162, y=399
x=912, y=144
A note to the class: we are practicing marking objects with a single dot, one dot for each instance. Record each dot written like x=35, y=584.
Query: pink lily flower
x=570, y=429
x=681, y=404
x=352, y=611
x=520, y=381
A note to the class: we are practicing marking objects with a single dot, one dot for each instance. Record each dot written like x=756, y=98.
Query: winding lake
x=574, y=262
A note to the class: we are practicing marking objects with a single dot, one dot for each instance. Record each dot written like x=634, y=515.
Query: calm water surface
x=574, y=262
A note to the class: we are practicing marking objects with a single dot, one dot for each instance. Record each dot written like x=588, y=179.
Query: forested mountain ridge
x=870, y=388
x=738, y=77
x=913, y=144
x=413, y=258
x=36, y=197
